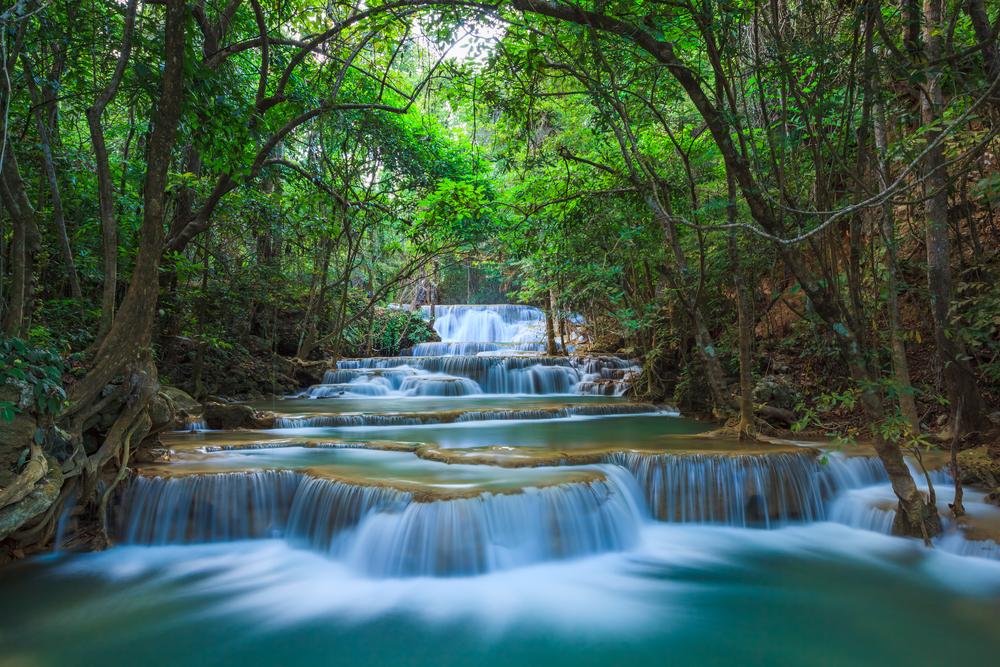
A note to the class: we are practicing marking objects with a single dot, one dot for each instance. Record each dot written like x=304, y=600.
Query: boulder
x=228, y=416
x=263, y=421
x=148, y=450
x=161, y=412
x=980, y=466
x=182, y=400
x=777, y=392
x=308, y=374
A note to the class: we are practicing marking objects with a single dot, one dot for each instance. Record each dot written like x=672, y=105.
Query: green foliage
x=40, y=367
x=976, y=319
x=395, y=329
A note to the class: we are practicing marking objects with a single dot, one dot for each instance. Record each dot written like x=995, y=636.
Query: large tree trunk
x=130, y=336
x=127, y=351
x=959, y=377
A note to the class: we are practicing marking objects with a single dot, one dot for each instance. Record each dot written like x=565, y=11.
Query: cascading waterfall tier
x=207, y=508
x=430, y=375
x=470, y=349
x=500, y=531
x=736, y=490
x=431, y=418
x=385, y=531
x=488, y=324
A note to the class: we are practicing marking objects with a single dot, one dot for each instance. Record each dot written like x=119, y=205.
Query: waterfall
x=418, y=419
x=207, y=508
x=494, y=373
x=498, y=531
x=452, y=349
x=439, y=385
x=323, y=510
x=841, y=473
x=488, y=324
x=383, y=531
x=737, y=490
x=196, y=424
x=857, y=508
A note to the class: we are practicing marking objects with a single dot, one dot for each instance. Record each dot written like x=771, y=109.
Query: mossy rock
x=777, y=392
x=182, y=400
x=230, y=416
x=980, y=466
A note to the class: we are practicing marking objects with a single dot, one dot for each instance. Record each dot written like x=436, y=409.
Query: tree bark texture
x=131, y=334
x=958, y=374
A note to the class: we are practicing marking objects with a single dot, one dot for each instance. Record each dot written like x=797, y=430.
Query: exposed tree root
x=142, y=424
x=34, y=470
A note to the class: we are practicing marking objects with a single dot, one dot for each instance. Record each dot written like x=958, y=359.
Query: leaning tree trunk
x=900, y=364
x=132, y=330
x=105, y=185
x=126, y=351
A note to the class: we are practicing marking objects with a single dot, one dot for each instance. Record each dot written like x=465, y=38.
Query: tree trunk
x=196, y=388
x=105, y=186
x=910, y=18
x=49, y=166
x=958, y=374
x=26, y=242
x=550, y=334
x=747, y=428
x=704, y=343
x=983, y=30
x=900, y=364
x=308, y=343
x=130, y=336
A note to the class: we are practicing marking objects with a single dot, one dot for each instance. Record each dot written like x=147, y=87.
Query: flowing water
x=476, y=502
